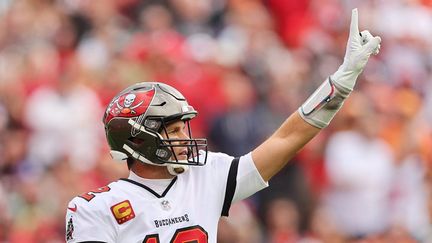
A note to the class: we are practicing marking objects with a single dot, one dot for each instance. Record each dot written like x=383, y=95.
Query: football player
x=177, y=190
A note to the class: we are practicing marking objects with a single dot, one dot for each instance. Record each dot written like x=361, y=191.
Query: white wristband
x=320, y=108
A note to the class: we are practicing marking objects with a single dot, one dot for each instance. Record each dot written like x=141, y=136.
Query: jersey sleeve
x=249, y=180
x=87, y=221
x=242, y=179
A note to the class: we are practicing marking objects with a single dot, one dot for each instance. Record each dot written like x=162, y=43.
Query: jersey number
x=90, y=195
x=194, y=234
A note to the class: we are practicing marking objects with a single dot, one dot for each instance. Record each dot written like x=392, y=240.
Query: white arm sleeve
x=249, y=180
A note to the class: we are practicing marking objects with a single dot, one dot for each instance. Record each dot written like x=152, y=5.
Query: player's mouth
x=183, y=155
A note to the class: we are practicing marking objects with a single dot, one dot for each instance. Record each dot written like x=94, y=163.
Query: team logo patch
x=69, y=230
x=130, y=104
x=123, y=212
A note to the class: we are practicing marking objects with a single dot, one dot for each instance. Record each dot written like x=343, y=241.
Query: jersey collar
x=148, y=184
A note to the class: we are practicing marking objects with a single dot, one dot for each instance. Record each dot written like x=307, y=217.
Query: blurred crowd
x=245, y=65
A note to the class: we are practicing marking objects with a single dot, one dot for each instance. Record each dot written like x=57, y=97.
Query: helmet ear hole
x=163, y=154
x=152, y=125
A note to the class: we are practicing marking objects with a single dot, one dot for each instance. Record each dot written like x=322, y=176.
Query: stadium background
x=245, y=65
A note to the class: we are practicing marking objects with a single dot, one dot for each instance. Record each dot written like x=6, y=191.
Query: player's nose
x=184, y=135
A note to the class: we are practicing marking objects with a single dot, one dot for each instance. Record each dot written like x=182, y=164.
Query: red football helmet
x=137, y=117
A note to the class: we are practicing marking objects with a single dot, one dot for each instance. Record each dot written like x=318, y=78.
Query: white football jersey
x=187, y=209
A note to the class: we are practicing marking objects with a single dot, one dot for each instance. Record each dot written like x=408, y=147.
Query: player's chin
x=182, y=157
x=179, y=157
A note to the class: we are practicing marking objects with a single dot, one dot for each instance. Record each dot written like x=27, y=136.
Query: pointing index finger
x=354, y=30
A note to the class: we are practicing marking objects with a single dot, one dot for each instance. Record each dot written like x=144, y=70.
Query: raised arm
x=320, y=108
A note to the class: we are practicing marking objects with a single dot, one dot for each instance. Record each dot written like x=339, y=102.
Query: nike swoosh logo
x=74, y=209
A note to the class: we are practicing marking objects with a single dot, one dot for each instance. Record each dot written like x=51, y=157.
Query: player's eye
x=172, y=131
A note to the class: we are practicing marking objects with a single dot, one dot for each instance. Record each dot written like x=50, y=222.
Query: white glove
x=359, y=48
x=320, y=108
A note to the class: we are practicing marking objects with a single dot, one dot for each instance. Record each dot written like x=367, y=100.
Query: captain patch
x=123, y=211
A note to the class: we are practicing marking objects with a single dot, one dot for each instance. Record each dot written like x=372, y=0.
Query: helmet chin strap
x=174, y=169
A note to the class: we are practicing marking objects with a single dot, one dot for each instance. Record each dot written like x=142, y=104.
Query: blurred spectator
x=239, y=129
x=293, y=18
x=242, y=226
x=282, y=219
x=322, y=229
x=65, y=123
x=410, y=193
x=360, y=172
x=197, y=17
